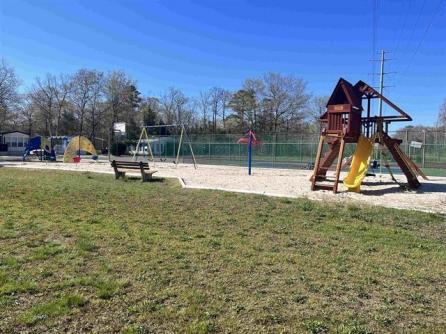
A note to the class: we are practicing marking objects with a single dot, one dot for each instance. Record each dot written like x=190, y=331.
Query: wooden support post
x=339, y=165
x=190, y=147
x=149, y=148
x=137, y=145
x=402, y=161
x=317, y=163
x=179, y=146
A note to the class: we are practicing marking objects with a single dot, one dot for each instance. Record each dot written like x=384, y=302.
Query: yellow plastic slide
x=359, y=165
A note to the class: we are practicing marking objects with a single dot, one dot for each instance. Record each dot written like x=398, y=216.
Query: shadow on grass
x=138, y=179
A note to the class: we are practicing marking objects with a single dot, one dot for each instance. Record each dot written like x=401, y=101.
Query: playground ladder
x=323, y=164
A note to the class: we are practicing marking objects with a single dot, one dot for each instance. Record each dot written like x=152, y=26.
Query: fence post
x=300, y=147
x=274, y=149
x=174, y=145
x=209, y=148
x=229, y=145
x=407, y=143
x=424, y=149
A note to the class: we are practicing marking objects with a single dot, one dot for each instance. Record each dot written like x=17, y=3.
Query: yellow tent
x=78, y=143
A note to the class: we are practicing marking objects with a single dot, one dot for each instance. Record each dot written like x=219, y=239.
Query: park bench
x=146, y=173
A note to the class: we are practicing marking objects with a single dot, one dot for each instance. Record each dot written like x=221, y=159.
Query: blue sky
x=195, y=45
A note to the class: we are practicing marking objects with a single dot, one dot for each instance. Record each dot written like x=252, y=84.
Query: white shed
x=15, y=141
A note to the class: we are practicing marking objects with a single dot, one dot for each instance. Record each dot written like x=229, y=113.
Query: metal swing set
x=184, y=139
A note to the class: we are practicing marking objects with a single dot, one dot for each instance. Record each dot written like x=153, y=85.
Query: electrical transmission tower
x=382, y=74
x=381, y=87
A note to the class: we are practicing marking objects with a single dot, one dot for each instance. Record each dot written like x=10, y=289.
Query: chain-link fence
x=296, y=150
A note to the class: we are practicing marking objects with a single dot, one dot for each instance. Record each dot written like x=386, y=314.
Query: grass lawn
x=85, y=253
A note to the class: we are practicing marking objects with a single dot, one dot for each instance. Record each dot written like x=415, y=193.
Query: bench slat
x=130, y=164
x=132, y=167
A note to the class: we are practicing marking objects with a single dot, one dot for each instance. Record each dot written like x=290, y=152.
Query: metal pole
x=179, y=147
x=229, y=145
x=381, y=88
x=300, y=148
x=174, y=144
x=407, y=143
x=209, y=148
x=79, y=147
x=108, y=149
x=249, y=152
x=381, y=84
x=424, y=149
x=368, y=117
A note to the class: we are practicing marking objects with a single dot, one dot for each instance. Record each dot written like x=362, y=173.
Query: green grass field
x=81, y=252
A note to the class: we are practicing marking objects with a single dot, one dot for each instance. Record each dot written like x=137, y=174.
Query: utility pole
x=381, y=87
x=381, y=82
x=381, y=74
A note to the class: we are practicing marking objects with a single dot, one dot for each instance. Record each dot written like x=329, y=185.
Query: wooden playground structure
x=342, y=124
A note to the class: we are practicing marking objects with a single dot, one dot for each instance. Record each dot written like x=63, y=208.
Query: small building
x=158, y=146
x=13, y=142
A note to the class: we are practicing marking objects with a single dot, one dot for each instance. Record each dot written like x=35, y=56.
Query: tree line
x=88, y=102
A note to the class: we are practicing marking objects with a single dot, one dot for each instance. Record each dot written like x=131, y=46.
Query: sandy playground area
x=376, y=190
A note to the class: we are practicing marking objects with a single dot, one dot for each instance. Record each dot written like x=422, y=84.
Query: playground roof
x=370, y=92
x=345, y=93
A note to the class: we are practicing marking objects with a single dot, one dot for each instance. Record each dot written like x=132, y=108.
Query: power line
x=401, y=29
x=423, y=37
x=374, y=33
x=414, y=27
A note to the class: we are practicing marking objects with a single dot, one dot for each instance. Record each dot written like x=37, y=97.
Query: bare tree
x=175, y=107
x=27, y=116
x=204, y=104
x=256, y=87
x=43, y=96
x=9, y=98
x=316, y=107
x=63, y=86
x=96, y=108
x=89, y=102
x=285, y=96
x=84, y=82
x=243, y=103
x=218, y=100
x=442, y=115
x=225, y=98
x=150, y=111
x=116, y=93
